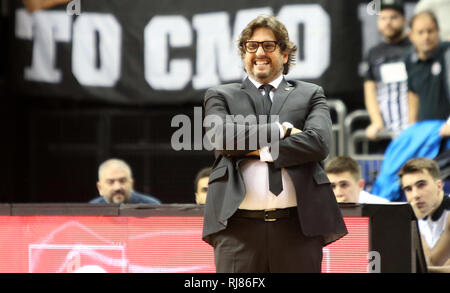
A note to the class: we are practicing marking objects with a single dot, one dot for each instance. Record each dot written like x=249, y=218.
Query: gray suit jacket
x=304, y=105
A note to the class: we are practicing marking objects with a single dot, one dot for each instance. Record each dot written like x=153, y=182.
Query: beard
x=393, y=34
x=264, y=73
x=118, y=196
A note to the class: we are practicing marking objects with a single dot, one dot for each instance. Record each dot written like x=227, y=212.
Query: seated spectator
x=420, y=179
x=348, y=186
x=115, y=185
x=201, y=185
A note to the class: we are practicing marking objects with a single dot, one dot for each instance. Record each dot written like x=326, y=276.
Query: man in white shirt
x=424, y=190
x=269, y=207
x=348, y=186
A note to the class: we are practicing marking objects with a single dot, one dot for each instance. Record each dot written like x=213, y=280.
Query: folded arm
x=313, y=142
x=235, y=135
x=440, y=253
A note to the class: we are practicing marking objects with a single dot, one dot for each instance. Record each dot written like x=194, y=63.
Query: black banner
x=169, y=52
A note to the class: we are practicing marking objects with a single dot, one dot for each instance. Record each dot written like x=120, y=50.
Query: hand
x=372, y=130
x=295, y=130
x=445, y=130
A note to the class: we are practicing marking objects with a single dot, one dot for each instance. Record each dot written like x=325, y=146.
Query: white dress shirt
x=432, y=230
x=256, y=179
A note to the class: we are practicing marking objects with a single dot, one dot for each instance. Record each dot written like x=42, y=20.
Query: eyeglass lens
x=252, y=46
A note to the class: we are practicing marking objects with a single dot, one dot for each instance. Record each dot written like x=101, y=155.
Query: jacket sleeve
x=313, y=143
x=232, y=134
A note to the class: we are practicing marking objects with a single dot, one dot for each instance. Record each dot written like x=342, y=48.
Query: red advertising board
x=67, y=244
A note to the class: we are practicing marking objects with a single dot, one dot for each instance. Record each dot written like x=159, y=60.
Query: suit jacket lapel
x=249, y=88
x=281, y=94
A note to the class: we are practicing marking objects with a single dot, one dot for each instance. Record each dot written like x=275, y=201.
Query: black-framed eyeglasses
x=252, y=46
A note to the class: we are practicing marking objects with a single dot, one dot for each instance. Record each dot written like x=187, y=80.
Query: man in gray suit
x=270, y=207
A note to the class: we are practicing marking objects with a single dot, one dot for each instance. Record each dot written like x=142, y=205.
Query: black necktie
x=267, y=102
x=275, y=180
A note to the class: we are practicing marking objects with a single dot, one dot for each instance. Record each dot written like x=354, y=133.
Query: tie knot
x=267, y=88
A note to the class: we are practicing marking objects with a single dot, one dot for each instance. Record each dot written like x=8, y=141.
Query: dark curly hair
x=280, y=33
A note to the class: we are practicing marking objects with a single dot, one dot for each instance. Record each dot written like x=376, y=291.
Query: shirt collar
x=445, y=205
x=275, y=83
x=434, y=54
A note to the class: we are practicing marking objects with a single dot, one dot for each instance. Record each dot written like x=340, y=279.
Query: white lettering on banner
x=161, y=33
x=45, y=28
x=85, y=53
x=97, y=46
x=317, y=38
x=215, y=49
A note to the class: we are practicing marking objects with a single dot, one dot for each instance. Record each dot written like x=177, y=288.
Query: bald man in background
x=115, y=185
